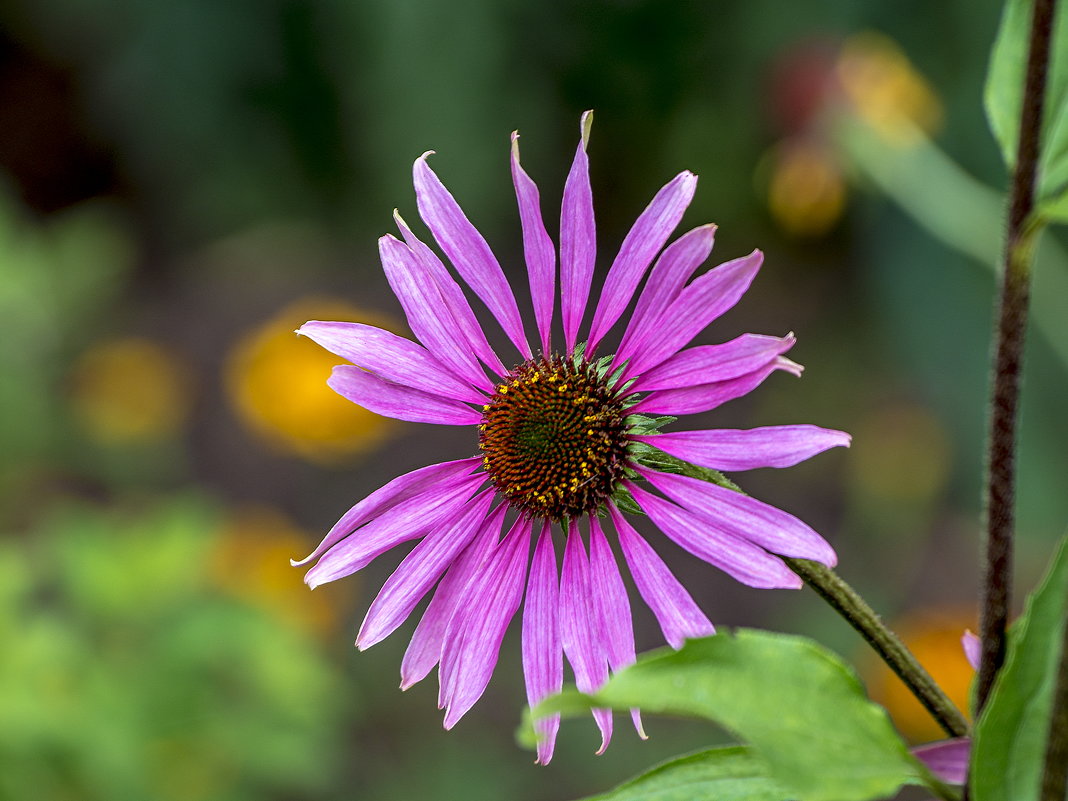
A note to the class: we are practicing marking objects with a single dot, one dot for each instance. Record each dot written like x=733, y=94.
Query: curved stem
x=887, y=644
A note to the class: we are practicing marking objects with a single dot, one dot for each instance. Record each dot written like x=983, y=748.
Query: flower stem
x=1008, y=356
x=1055, y=768
x=863, y=618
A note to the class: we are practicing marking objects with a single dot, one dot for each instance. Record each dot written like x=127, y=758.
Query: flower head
x=566, y=440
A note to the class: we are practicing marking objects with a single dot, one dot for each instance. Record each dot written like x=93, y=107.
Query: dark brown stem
x=1008, y=357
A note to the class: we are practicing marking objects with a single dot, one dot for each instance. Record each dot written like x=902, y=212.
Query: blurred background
x=183, y=184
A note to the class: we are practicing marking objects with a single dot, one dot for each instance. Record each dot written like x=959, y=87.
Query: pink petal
x=543, y=666
x=947, y=759
x=390, y=357
x=397, y=401
x=973, y=648
x=731, y=449
x=443, y=476
x=670, y=273
x=584, y=651
x=467, y=325
x=679, y=617
x=746, y=518
x=694, y=400
x=616, y=627
x=404, y=521
x=578, y=239
x=474, y=635
x=537, y=247
x=467, y=250
x=429, y=315
x=740, y=559
x=424, y=650
x=644, y=240
x=706, y=364
x=419, y=570
x=705, y=299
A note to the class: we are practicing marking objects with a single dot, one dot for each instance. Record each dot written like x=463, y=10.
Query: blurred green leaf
x=1010, y=736
x=800, y=707
x=1055, y=210
x=1004, y=94
x=719, y=774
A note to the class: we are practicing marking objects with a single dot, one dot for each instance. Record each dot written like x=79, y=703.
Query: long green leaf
x=1010, y=736
x=718, y=774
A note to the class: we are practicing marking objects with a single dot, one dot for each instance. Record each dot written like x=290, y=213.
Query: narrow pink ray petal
x=734, y=449
x=428, y=315
x=467, y=250
x=578, y=239
x=419, y=570
x=669, y=275
x=946, y=759
x=705, y=299
x=391, y=357
x=405, y=521
x=679, y=617
x=442, y=476
x=641, y=244
x=738, y=558
x=706, y=364
x=543, y=664
x=577, y=606
x=537, y=247
x=973, y=648
x=746, y=518
x=616, y=625
x=693, y=400
x=424, y=650
x=399, y=402
x=474, y=634
x=453, y=297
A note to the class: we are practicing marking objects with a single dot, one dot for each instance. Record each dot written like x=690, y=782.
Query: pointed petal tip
x=790, y=366
x=585, y=124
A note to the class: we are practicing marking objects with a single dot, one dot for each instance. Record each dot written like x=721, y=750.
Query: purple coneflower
x=565, y=437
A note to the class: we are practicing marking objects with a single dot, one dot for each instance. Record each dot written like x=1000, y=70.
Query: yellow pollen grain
x=502, y=389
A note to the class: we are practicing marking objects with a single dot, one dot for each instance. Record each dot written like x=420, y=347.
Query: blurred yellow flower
x=276, y=380
x=902, y=454
x=130, y=389
x=885, y=90
x=251, y=561
x=807, y=192
x=934, y=636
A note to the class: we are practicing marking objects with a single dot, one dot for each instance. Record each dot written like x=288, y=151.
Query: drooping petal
x=738, y=558
x=538, y=248
x=705, y=364
x=744, y=517
x=705, y=299
x=731, y=449
x=405, y=521
x=429, y=317
x=644, y=240
x=543, y=663
x=679, y=617
x=467, y=325
x=946, y=759
x=669, y=275
x=704, y=398
x=442, y=476
x=585, y=652
x=399, y=402
x=973, y=648
x=473, y=637
x=578, y=239
x=467, y=250
x=424, y=650
x=616, y=626
x=390, y=357
x=419, y=570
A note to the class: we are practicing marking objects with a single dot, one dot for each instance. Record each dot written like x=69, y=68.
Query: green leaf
x=718, y=774
x=1056, y=209
x=797, y=704
x=1010, y=736
x=1003, y=96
